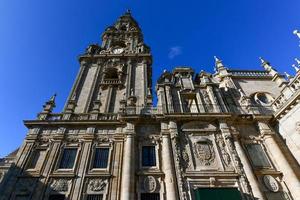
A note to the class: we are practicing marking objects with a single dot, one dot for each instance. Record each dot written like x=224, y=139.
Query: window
x=68, y=158
x=101, y=158
x=94, y=197
x=150, y=196
x=217, y=194
x=36, y=159
x=258, y=156
x=148, y=156
x=57, y=197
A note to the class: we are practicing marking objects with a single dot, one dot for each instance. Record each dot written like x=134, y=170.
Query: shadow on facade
x=17, y=184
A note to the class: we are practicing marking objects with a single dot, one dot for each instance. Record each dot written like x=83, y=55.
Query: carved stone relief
x=61, y=185
x=271, y=183
x=97, y=184
x=205, y=152
x=225, y=157
x=150, y=184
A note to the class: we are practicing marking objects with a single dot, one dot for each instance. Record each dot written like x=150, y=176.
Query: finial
x=262, y=60
x=295, y=67
x=217, y=59
x=73, y=98
x=128, y=11
x=298, y=61
x=287, y=75
x=297, y=33
x=52, y=99
x=149, y=91
x=218, y=63
x=165, y=70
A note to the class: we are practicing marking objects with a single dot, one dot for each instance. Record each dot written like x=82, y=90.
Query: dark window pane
x=57, y=197
x=34, y=159
x=101, y=158
x=150, y=196
x=148, y=156
x=94, y=197
x=217, y=194
x=258, y=155
x=68, y=158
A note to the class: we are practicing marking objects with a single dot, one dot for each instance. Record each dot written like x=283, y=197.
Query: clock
x=117, y=50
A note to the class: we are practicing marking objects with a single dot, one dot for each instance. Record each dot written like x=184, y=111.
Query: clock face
x=118, y=50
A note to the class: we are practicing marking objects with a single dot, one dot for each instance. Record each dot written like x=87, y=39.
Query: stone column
x=257, y=193
x=169, y=99
x=289, y=174
x=85, y=150
x=128, y=169
x=241, y=162
x=168, y=167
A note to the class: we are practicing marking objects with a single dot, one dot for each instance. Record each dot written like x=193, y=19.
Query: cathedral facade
x=231, y=135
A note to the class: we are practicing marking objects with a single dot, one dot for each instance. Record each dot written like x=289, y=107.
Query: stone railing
x=205, y=109
x=83, y=116
x=288, y=93
x=250, y=73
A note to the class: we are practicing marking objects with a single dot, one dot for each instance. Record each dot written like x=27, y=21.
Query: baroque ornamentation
x=150, y=184
x=97, y=185
x=205, y=151
x=224, y=154
x=271, y=183
x=61, y=185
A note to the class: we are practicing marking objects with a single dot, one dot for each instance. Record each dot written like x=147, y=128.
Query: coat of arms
x=205, y=151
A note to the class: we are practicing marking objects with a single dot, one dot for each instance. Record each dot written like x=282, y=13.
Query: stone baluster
x=128, y=177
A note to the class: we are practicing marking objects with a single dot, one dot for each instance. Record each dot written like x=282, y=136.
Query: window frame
x=265, y=152
x=150, y=149
x=63, y=147
x=156, y=147
x=92, y=156
x=30, y=158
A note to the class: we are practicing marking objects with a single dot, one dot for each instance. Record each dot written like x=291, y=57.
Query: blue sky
x=40, y=42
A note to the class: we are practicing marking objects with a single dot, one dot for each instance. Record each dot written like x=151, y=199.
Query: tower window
x=150, y=196
x=101, y=158
x=36, y=159
x=148, y=156
x=68, y=158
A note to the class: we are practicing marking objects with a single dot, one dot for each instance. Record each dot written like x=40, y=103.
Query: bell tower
x=118, y=70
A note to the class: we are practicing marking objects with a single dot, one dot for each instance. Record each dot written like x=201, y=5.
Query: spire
x=297, y=33
x=47, y=108
x=128, y=12
x=52, y=99
x=218, y=63
x=287, y=75
x=295, y=67
x=268, y=67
